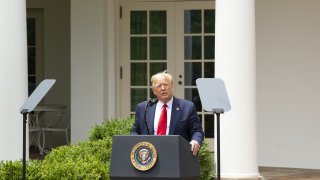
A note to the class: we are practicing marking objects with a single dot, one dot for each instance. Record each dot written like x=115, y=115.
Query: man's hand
x=194, y=147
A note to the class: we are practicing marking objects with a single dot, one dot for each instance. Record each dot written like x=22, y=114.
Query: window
x=35, y=47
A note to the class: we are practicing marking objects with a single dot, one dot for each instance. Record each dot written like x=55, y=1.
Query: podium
x=174, y=159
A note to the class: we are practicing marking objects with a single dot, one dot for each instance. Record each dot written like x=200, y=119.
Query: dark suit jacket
x=184, y=120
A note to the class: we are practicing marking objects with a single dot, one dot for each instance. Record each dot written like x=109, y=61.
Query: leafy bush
x=111, y=128
x=10, y=169
x=86, y=160
x=206, y=162
x=13, y=169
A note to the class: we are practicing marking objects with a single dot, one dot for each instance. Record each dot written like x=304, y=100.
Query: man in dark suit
x=170, y=115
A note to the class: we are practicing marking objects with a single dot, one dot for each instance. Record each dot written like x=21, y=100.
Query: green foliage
x=13, y=169
x=10, y=169
x=86, y=160
x=206, y=162
x=111, y=128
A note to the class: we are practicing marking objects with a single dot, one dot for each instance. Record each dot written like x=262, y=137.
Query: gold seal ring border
x=149, y=165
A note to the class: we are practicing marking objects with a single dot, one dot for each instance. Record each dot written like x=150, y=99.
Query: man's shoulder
x=141, y=104
x=183, y=101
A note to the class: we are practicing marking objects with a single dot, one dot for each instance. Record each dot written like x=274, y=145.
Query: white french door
x=173, y=36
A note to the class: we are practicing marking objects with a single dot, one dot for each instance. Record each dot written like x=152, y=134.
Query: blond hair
x=159, y=75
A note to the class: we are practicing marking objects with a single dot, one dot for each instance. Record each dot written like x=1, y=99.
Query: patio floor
x=270, y=173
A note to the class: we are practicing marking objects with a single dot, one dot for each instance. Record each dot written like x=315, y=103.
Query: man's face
x=163, y=89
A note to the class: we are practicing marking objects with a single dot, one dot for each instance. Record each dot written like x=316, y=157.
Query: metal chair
x=58, y=122
x=34, y=132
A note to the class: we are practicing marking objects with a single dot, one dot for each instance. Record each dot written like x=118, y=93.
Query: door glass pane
x=209, y=47
x=31, y=60
x=192, y=21
x=192, y=72
x=138, y=48
x=137, y=96
x=158, y=48
x=192, y=47
x=138, y=22
x=192, y=94
x=138, y=74
x=31, y=84
x=209, y=125
x=31, y=40
x=157, y=67
x=209, y=69
x=31, y=31
x=158, y=22
x=209, y=21
x=151, y=93
x=200, y=118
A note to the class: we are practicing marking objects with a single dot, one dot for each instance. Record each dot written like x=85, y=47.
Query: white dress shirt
x=158, y=113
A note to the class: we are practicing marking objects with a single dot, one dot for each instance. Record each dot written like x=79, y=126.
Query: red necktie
x=162, y=126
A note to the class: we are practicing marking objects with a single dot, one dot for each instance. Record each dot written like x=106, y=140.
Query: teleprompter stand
x=27, y=107
x=214, y=97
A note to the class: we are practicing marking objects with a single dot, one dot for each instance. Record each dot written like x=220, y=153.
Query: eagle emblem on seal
x=143, y=156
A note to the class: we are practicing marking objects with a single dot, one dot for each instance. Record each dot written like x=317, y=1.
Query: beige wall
x=56, y=51
x=288, y=61
x=94, y=66
x=86, y=67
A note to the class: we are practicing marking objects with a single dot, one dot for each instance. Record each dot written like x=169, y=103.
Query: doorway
x=174, y=36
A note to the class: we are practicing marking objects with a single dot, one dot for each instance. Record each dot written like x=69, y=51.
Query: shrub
x=111, y=128
x=13, y=169
x=10, y=169
x=206, y=162
x=88, y=159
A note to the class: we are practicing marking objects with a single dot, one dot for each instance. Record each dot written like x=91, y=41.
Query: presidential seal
x=143, y=156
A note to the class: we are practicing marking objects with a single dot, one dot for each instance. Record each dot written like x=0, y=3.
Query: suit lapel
x=175, y=114
x=150, y=118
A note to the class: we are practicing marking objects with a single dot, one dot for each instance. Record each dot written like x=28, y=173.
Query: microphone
x=152, y=101
x=149, y=103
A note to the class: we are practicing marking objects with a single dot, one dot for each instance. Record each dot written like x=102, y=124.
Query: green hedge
x=111, y=128
x=13, y=169
x=88, y=159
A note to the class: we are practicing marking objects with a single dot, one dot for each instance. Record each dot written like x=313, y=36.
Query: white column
x=236, y=65
x=13, y=76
